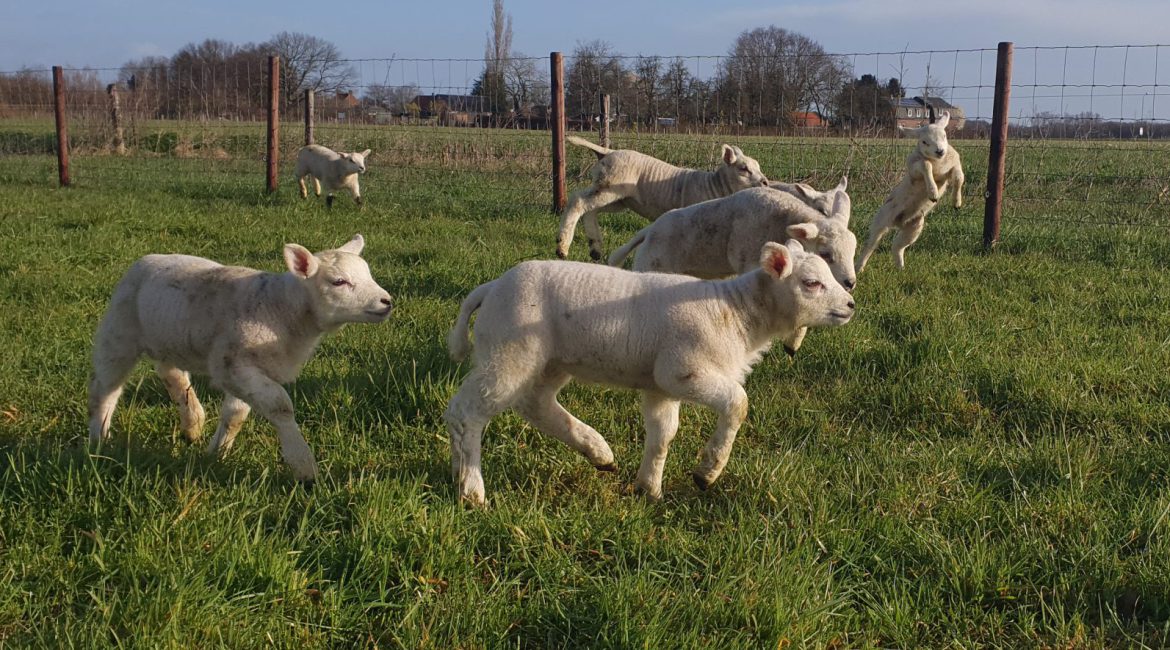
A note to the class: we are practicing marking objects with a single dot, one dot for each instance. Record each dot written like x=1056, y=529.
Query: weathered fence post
x=308, y=116
x=273, y=120
x=557, y=65
x=603, y=138
x=118, y=144
x=993, y=206
x=62, y=128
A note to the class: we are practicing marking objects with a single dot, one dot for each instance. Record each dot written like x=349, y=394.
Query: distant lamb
x=625, y=179
x=931, y=168
x=673, y=337
x=722, y=237
x=249, y=331
x=337, y=170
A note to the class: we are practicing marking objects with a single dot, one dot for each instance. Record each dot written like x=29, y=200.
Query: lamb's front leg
x=729, y=400
x=926, y=170
x=660, y=413
x=958, y=179
x=272, y=402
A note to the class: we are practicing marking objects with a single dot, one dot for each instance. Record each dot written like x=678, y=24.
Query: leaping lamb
x=626, y=179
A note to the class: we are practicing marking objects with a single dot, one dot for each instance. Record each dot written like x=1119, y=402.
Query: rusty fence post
x=993, y=207
x=308, y=117
x=603, y=138
x=557, y=66
x=117, y=143
x=62, y=127
x=273, y=120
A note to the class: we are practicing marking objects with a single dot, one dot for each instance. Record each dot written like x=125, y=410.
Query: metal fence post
x=308, y=117
x=603, y=138
x=273, y=120
x=557, y=65
x=993, y=207
x=62, y=127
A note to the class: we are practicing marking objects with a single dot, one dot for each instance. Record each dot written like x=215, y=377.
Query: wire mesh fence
x=1088, y=125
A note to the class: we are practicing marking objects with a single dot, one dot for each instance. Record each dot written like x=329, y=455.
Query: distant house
x=807, y=120
x=915, y=111
x=437, y=105
x=340, y=106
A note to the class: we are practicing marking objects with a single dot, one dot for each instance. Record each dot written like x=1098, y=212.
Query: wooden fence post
x=118, y=143
x=308, y=117
x=603, y=136
x=557, y=65
x=62, y=127
x=993, y=207
x=273, y=120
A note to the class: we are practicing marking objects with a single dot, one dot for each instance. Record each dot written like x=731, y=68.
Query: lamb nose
x=851, y=305
x=386, y=301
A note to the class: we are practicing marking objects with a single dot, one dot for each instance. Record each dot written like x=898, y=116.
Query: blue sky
x=105, y=34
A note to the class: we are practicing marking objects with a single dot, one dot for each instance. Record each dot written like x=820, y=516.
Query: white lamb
x=722, y=237
x=673, y=337
x=931, y=168
x=337, y=170
x=625, y=179
x=249, y=331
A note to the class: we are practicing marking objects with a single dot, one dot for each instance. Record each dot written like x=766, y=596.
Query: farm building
x=912, y=112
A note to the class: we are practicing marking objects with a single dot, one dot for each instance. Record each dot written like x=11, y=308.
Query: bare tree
x=648, y=86
x=308, y=62
x=491, y=85
x=593, y=69
x=525, y=82
x=770, y=73
x=392, y=98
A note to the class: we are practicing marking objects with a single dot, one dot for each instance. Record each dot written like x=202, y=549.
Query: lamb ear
x=729, y=154
x=803, y=231
x=366, y=153
x=842, y=207
x=354, y=245
x=776, y=260
x=907, y=133
x=300, y=261
x=843, y=184
x=806, y=190
x=944, y=120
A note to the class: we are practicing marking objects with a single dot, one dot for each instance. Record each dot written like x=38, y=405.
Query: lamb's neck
x=763, y=313
x=287, y=301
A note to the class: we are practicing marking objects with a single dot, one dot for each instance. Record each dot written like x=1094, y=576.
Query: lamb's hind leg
x=115, y=352
x=882, y=222
x=583, y=204
x=907, y=234
x=542, y=410
x=467, y=414
x=178, y=383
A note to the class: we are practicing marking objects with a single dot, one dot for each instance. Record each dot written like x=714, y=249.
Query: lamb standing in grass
x=722, y=237
x=248, y=330
x=931, y=168
x=625, y=179
x=337, y=170
x=673, y=337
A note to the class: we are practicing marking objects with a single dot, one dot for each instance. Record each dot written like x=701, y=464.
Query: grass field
x=980, y=459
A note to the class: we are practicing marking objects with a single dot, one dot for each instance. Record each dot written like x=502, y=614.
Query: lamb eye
x=340, y=282
x=828, y=257
x=813, y=284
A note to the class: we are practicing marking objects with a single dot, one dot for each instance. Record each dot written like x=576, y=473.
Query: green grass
x=980, y=459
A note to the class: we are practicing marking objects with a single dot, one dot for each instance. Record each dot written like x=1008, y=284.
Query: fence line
x=1086, y=123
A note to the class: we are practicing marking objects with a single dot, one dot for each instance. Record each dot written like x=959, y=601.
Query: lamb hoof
x=329, y=202
x=701, y=482
x=608, y=467
x=595, y=256
x=307, y=484
x=790, y=352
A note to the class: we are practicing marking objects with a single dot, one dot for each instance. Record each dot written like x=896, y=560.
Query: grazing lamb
x=931, y=168
x=248, y=330
x=673, y=337
x=722, y=237
x=625, y=179
x=337, y=170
